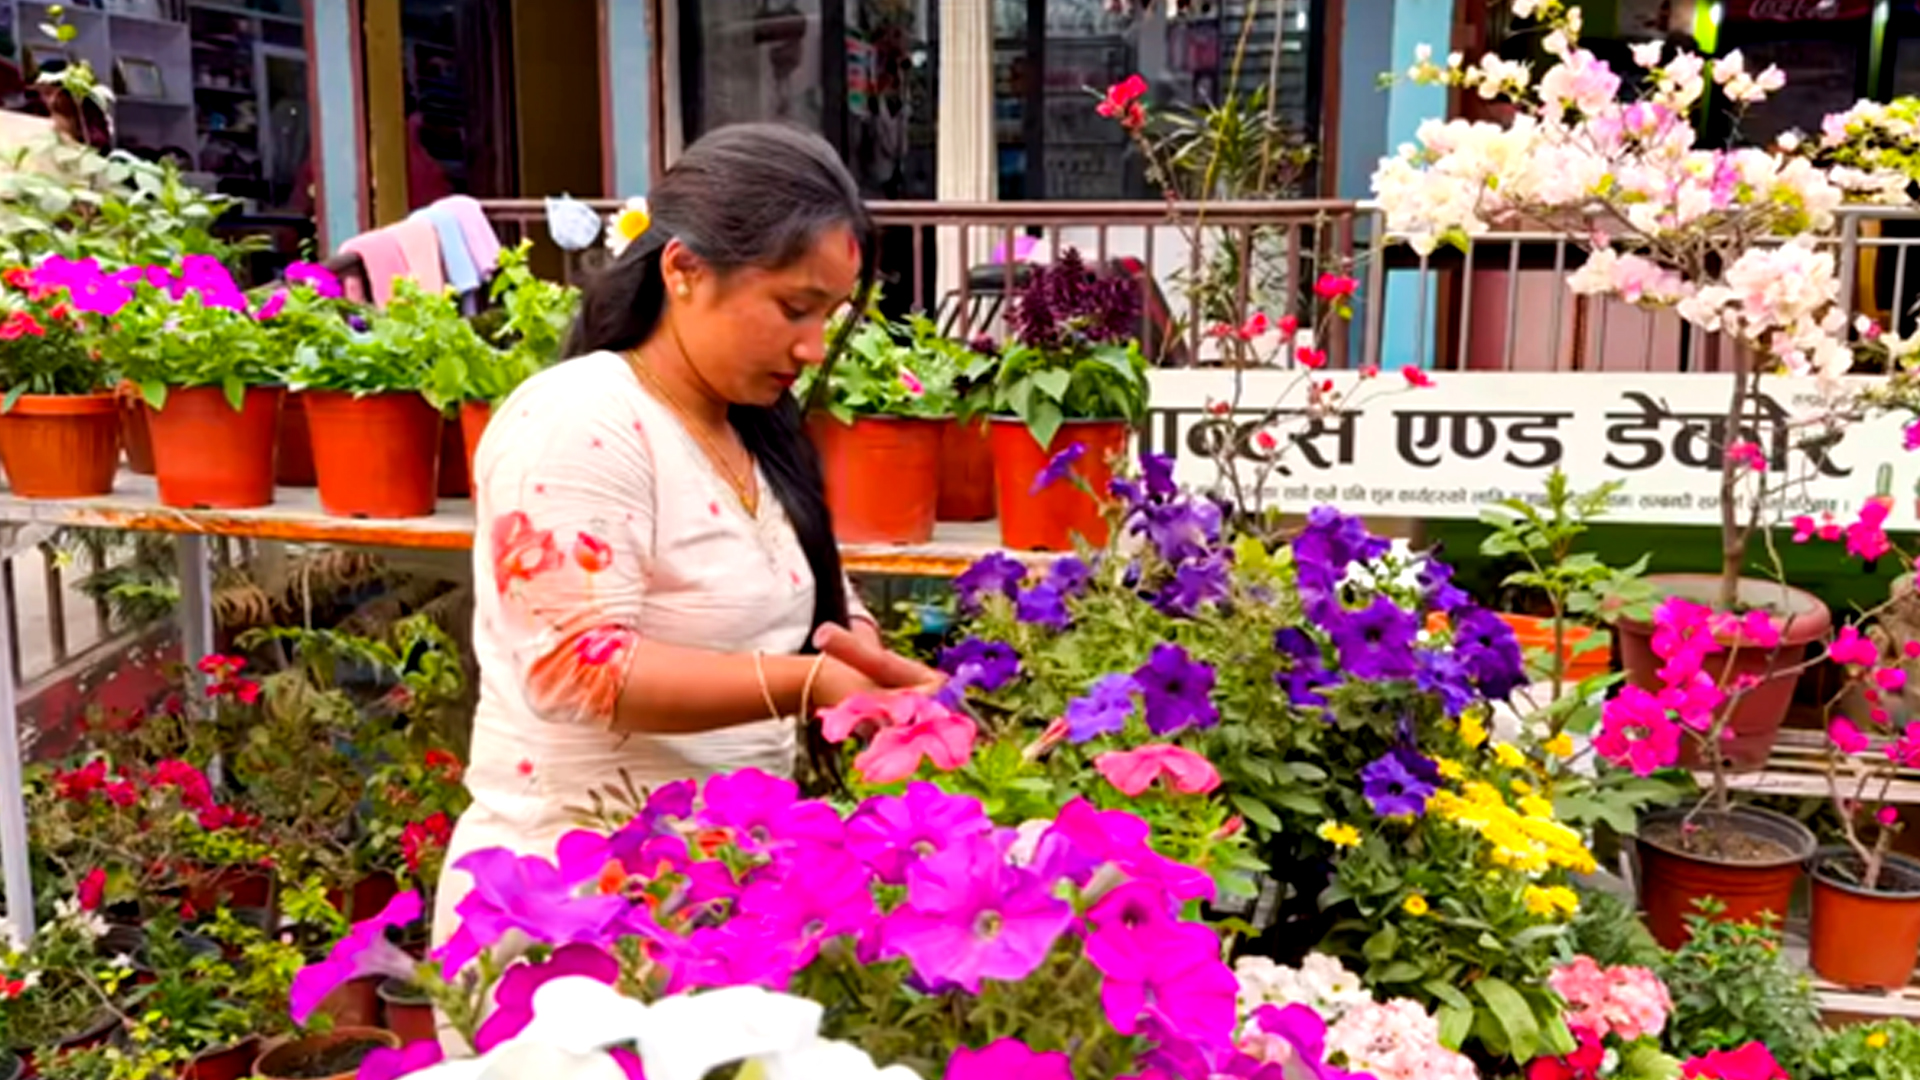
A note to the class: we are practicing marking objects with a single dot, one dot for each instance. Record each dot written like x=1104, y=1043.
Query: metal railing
x=1501, y=305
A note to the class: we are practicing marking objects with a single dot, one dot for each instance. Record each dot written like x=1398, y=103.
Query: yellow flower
x=1509, y=755
x=633, y=220
x=1521, y=787
x=1536, y=807
x=1560, y=746
x=1415, y=905
x=1339, y=835
x=1877, y=1040
x=1555, y=901
x=1472, y=731
x=1449, y=768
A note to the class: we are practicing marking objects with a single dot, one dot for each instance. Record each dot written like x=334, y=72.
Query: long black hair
x=745, y=195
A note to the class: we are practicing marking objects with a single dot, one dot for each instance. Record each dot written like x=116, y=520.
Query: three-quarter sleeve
x=856, y=607
x=566, y=490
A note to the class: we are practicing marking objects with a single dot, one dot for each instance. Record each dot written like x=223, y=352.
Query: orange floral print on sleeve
x=520, y=551
x=582, y=676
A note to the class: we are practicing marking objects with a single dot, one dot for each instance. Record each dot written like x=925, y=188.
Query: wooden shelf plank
x=296, y=517
x=1798, y=768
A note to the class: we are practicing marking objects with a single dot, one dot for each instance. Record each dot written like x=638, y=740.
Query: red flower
x=420, y=837
x=1334, y=286
x=59, y=312
x=1312, y=359
x=79, y=784
x=122, y=793
x=441, y=761
x=1122, y=103
x=1371, y=371
x=592, y=553
x=18, y=277
x=1416, y=377
x=1288, y=325
x=20, y=324
x=1256, y=325
x=93, y=890
x=221, y=667
x=1265, y=441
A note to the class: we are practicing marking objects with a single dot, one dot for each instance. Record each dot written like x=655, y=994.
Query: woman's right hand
x=839, y=681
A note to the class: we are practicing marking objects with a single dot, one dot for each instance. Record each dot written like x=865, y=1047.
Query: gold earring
x=682, y=290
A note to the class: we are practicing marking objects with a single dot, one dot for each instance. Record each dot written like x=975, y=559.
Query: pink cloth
x=421, y=243
x=482, y=243
x=380, y=252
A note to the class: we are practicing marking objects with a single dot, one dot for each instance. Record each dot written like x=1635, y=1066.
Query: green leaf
x=1513, y=1014
x=1400, y=971
x=155, y=394
x=1448, y=994
x=1054, y=383
x=1456, y=1023
x=1257, y=812
x=1644, y=1061
x=13, y=395
x=236, y=391
x=1044, y=421
x=1380, y=947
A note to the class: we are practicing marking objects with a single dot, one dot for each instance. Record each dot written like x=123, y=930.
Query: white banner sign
x=1476, y=438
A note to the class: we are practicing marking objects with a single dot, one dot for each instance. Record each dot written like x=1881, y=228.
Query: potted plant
x=59, y=419
x=210, y=367
x=530, y=329
x=376, y=432
x=877, y=423
x=1062, y=392
x=966, y=450
x=336, y=1055
x=56, y=998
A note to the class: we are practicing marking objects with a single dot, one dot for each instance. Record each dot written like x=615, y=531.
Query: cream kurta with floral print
x=601, y=523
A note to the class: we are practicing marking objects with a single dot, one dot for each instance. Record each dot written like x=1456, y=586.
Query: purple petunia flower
x=1399, y=783
x=1437, y=589
x=976, y=663
x=1042, y=605
x=1196, y=584
x=513, y=998
x=1069, y=575
x=1180, y=530
x=1440, y=673
x=1308, y=674
x=890, y=833
x=1376, y=642
x=365, y=952
x=1156, y=471
x=320, y=279
x=1177, y=690
x=971, y=916
x=1007, y=1059
x=1489, y=652
x=1104, y=710
x=1058, y=468
x=995, y=573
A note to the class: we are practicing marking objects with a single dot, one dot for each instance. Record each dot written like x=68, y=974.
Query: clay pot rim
x=1795, y=629
x=882, y=418
x=181, y=388
x=401, y=992
x=249, y=1042
x=1809, y=843
x=1818, y=864
x=340, y=1034
x=91, y=404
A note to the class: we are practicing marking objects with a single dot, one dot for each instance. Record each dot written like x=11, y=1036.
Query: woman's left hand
x=861, y=650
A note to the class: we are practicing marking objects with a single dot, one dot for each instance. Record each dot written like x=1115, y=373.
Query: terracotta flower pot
x=206, y=455
x=103, y=1027
x=293, y=458
x=409, y=1013
x=966, y=472
x=323, y=1057
x=1758, y=713
x=1865, y=938
x=370, y=896
x=237, y=887
x=1536, y=635
x=61, y=446
x=882, y=475
x=454, y=483
x=354, y=1004
x=474, y=416
x=1756, y=873
x=376, y=456
x=134, y=437
x=226, y=1063
x=1048, y=519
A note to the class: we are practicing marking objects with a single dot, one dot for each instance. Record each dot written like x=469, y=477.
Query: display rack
x=296, y=517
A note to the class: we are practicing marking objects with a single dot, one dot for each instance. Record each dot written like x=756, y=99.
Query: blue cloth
x=461, y=273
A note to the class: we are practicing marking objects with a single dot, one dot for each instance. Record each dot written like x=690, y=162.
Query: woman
x=654, y=552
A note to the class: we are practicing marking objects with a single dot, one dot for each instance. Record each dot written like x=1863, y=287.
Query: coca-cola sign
x=1799, y=11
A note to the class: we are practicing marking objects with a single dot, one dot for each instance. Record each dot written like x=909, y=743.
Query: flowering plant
x=1393, y=1040
x=885, y=370
x=53, y=989
x=192, y=326
x=395, y=350
x=1888, y=1050
x=1617, y=1015
x=1074, y=353
x=1353, y=743
x=1730, y=985
x=44, y=332
x=928, y=926
x=526, y=327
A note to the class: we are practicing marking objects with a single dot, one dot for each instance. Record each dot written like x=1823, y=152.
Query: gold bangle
x=766, y=691
x=806, y=691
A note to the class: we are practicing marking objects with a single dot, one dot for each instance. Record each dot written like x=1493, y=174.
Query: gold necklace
x=744, y=487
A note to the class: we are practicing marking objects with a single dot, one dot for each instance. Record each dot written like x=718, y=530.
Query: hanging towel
x=380, y=253
x=482, y=243
x=461, y=273
x=421, y=242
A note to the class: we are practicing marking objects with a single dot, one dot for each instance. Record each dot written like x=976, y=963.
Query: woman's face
x=752, y=332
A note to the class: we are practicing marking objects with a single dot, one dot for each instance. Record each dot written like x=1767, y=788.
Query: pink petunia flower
x=1134, y=771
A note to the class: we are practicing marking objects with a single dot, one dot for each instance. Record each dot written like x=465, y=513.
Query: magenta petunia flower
x=320, y=279
x=970, y=916
x=890, y=833
x=363, y=953
x=1083, y=839
x=766, y=813
x=807, y=901
x=533, y=896
x=1172, y=972
x=1008, y=1059
x=513, y=998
